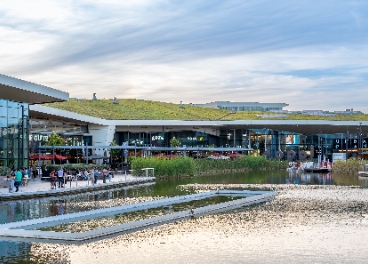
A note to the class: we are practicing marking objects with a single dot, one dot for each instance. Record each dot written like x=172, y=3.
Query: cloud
x=299, y=52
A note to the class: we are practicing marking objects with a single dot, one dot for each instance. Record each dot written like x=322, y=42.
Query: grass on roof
x=132, y=109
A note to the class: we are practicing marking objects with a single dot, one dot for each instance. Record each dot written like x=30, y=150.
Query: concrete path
x=35, y=185
x=40, y=189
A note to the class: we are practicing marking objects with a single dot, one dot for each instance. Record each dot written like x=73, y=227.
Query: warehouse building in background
x=243, y=106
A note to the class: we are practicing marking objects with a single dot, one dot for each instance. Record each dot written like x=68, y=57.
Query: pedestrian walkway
x=37, y=184
x=37, y=188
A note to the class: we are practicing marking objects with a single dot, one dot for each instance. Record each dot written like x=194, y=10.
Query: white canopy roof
x=17, y=90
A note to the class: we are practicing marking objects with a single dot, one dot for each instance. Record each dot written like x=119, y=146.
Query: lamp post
x=346, y=142
x=321, y=145
x=360, y=141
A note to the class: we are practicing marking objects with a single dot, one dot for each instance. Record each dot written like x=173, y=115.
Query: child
x=10, y=182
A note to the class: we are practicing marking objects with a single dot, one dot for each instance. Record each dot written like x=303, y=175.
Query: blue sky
x=309, y=54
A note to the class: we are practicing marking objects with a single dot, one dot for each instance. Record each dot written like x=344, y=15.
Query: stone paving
x=37, y=184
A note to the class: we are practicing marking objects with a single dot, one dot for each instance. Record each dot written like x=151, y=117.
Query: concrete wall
x=102, y=136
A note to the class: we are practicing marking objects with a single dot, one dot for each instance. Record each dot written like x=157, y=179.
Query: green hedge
x=74, y=166
x=189, y=166
x=4, y=171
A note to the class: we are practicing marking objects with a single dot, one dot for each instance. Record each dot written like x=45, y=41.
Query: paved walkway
x=35, y=185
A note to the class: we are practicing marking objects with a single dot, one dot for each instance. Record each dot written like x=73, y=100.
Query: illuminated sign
x=154, y=138
x=292, y=140
x=352, y=143
x=37, y=137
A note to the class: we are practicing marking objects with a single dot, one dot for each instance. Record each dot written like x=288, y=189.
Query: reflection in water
x=310, y=178
x=11, y=211
x=14, y=252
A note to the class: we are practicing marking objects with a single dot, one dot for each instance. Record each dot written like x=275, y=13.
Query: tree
x=174, y=142
x=54, y=139
x=114, y=152
x=210, y=146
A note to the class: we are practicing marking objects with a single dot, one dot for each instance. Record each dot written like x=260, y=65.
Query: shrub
x=76, y=166
x=4, y=171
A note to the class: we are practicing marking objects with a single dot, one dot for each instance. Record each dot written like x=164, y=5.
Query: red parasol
x=235, y=155
x=57, y=157
x=36, y=157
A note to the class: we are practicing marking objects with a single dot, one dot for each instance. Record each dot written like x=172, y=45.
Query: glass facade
x=72, y=135
x=187, y=138
x=13, y=134
x=259, y=140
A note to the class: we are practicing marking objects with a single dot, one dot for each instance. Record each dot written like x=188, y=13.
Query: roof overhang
x=17, y=90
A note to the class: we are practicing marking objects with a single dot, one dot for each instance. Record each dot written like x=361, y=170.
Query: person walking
x=29, y=172
x=34, y=169
x=53, y=179
x=18, y=179
x=60, y=176
x=110, y=174
x=24, y=172
x=65, y=175
x=104, y=172
x=11, y=182
x=95, y=174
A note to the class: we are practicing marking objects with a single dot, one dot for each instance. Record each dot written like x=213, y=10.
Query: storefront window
x=13, y=131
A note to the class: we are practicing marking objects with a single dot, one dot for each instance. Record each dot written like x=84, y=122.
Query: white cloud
x=191, y=52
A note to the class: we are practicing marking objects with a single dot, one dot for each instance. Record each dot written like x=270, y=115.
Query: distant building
x=243, y=106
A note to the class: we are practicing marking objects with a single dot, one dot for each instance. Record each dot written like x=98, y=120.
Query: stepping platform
x=21, y=231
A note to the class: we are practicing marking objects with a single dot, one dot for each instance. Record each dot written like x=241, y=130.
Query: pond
x=11, y=211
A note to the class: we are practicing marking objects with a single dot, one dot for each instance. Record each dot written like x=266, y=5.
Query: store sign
x=42, y=138
x=352, y=143
x=157, y=138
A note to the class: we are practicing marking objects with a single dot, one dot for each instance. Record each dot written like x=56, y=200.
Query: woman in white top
x=86, y=175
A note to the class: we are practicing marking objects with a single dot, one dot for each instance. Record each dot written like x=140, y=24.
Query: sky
x=308, y=54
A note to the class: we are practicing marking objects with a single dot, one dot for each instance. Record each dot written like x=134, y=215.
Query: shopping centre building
x=15, y=98
x=25, y=123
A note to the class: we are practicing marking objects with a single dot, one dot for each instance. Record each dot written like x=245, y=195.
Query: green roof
x=132, y=109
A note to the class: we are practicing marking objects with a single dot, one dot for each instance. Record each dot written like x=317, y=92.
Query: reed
x=351, y=166
x=185, y=166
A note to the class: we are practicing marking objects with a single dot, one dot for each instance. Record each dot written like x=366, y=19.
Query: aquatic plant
x=181, y=166
x=351, y=166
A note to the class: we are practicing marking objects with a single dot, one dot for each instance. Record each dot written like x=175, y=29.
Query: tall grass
x=188, y=166
x=351, y=166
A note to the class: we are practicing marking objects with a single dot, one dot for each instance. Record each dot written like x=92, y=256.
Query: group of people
x=16, y=176
x=57, y=176
x=61, y=174
x=15, y=180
